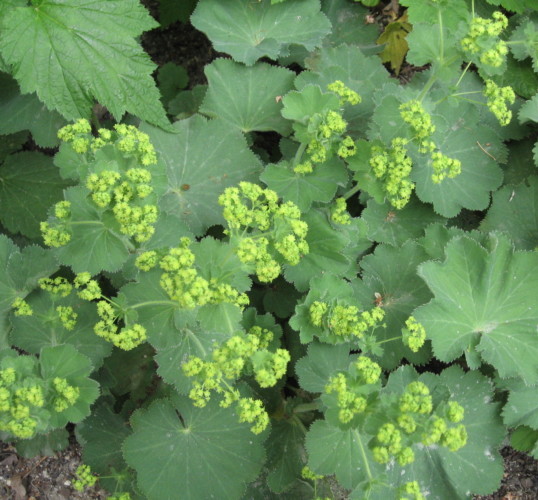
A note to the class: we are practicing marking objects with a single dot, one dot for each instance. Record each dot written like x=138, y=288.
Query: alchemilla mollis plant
x=316, y=282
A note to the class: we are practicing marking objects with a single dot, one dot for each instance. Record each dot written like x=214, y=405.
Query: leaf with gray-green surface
x=205, y=450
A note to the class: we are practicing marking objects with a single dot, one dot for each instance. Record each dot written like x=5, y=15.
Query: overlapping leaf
x=207, y=451
x=250, y=30
x=475, y=468
x=201, y=159
x=514, y=210
x=304, y=189
x=387, y=225
x=361, y=73
x=484, y=297
x=391, y=272
x=27, y=112
x=247, y=97
x=72, y=53
x=29, y=185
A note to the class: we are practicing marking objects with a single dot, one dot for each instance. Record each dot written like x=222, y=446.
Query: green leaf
x=325, y=287
x=391, y=272
x=73, y=53
x=475, y=468
x=360, y=73
x=345, y=17
x=304, y=189
x=452, y=12
x=524, y=40
x=96, y=243
x=395, y=227
x=171, y=11
x=322, y=361
x=521, y=408
x=332, y=450
x=22, y=270
x=248, y=31
x=529, y=110
x=285, y=452
x=518, y=6
x=44, y=328
x=187, y=102
x=172, y=78
x=484, y=297
x=102, y=435
x=65, y=361
x=525, y=439
x=43, y=444
x=27, y=112
x=204, y=449
x=247, y=97
x=514, y=211
x=198, y=174
x=326, y=246
x=29, y=185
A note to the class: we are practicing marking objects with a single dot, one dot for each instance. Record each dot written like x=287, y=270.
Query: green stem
x=306, y=407
x=427, y=87
x=152, y=303
x=298, y=155
x=351, y=192
x=388, y=340
x=299, y=423
x=363, y=453
x=463, y=74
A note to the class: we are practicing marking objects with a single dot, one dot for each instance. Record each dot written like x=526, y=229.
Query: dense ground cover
x=331, y=257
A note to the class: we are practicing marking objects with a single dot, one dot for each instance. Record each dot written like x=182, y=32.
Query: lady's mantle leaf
x=514, y=211
x=391, y=272
x=250, y=30
x=485, y=297
x=29, y=185
x=71, y=53
x=204, y=452
x=22, y=112
x=522, y=405
x=247, y=97
x=303, y=189
x=201, y=160
x=475, y=468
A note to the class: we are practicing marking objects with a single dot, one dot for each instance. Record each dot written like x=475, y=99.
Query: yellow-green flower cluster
x=68, y=316
x=53, y=237
x=483, y=38
x=498, y=97
x=276, y=228
x=252, y=411
x=127, y=338
x=120, y=496
x=344, y=321
x=88, y=289
x=389, y=440
x=273, y=368
x=57, y=286
x=21, y=307
x=339, y=212
x=434, y=427
x=78, y=134
x=443, y=167
x=410, y=491
x=17, y=401
x=392, y=167
x=238, y=355
x=345, y=93
x=84, y=478
x=66, y=395
x=127, y=139
x=414, y=114
x=349, y=402
x=182, y=283
x=416, y=399
x=147, y=260
x=306, y=473
x=368, y=371
x=414, y=335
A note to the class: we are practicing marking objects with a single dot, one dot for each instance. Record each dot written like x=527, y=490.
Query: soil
x=49, y=478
